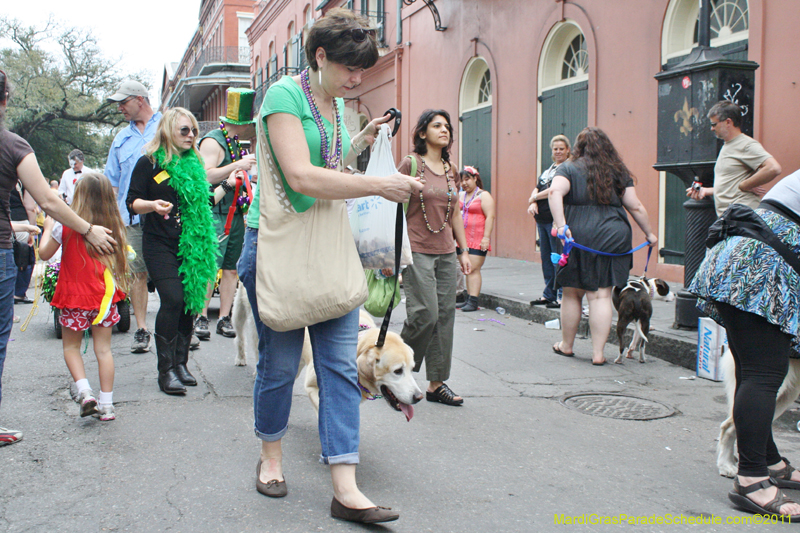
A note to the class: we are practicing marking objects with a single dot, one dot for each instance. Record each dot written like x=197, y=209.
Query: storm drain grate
x=617, y=406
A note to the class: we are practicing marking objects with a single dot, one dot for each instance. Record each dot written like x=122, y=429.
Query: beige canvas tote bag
x=307, y=268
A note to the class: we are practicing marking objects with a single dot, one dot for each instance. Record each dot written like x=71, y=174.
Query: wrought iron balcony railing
x=229, y=55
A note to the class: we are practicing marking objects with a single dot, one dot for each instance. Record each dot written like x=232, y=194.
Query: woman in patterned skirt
x=747, y=286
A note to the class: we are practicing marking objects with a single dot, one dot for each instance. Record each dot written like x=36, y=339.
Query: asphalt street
x=514, y=458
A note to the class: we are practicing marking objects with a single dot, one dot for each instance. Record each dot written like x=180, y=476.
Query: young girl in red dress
x=89, y=287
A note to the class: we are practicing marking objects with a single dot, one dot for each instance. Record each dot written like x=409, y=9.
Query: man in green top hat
x=223, y=154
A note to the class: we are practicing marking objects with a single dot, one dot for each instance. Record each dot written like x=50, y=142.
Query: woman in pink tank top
x=477, y=212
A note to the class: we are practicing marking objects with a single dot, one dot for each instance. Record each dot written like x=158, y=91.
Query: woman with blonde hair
x=540, y=210
x=178, y=238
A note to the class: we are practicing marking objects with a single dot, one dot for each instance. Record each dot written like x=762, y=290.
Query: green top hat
x=240, y=106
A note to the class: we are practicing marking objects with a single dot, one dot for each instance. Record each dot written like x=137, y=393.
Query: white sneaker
x=87, y=402
x=106, y=413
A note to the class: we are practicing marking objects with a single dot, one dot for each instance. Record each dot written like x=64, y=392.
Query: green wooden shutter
x=476, y=142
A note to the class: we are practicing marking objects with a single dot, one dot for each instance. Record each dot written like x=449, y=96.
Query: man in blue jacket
x=133, y=101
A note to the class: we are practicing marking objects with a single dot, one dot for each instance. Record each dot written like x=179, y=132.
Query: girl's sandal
x=772, y=509
x=443, y=395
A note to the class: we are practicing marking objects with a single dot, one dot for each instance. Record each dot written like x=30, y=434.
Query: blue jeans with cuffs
x=334, y=344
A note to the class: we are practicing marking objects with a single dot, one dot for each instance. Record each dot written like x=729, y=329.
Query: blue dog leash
x=569, y=243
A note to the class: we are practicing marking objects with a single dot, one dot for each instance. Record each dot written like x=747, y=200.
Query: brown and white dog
x=633, y=304
x=383, y=372
x=659, y=289
x=787, y=394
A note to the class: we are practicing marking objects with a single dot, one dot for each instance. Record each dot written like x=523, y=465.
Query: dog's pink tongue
x=408, y=410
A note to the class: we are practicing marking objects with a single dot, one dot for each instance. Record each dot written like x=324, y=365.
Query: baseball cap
x=129, y=88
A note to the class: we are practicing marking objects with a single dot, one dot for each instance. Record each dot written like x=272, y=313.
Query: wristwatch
x=460, y=251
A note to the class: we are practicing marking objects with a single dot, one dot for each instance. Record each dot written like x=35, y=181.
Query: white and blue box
x=711, y=343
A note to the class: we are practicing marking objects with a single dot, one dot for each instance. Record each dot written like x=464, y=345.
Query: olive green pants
x=430, y=290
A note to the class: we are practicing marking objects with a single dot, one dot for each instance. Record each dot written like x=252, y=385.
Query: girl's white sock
x=106, y=398
x=82, y=385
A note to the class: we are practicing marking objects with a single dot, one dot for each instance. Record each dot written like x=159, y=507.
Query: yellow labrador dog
x=382, y=372
x=787, y=394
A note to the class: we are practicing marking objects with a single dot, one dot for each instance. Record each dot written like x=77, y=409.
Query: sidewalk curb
x=672, y=350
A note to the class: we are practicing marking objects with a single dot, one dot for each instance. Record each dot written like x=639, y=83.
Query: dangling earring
x=319, y=72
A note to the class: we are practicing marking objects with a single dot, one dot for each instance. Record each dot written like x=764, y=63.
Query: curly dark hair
x=606, y=174
x=427, y=116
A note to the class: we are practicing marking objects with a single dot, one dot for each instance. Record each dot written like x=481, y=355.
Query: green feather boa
x=198, y=246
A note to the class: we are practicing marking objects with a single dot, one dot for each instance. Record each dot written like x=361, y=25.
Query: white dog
x=382, y=371
x=787, y=394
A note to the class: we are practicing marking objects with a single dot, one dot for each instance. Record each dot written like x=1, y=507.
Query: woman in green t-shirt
x=306, y=136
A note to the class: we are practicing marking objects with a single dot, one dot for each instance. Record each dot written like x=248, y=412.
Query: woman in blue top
x=304, y=129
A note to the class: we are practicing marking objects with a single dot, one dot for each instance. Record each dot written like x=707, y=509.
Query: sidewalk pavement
x=513, y=283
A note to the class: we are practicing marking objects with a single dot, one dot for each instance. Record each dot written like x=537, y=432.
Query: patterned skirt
x=81, y=319
x=751, y=276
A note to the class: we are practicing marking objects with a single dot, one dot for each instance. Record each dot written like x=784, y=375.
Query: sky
x=143, y=34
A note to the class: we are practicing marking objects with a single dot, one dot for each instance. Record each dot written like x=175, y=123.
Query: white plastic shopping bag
x=375, y=216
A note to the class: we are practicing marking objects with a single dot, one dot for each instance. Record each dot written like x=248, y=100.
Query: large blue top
x=122, y=157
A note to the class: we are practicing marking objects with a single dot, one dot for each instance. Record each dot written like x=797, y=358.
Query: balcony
x=216, y=58
x=262, y=90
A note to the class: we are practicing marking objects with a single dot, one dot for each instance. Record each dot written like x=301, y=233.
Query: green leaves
x=59, y=82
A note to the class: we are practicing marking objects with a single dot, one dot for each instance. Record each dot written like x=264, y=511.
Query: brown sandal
x=773, y=508
x=783, y=476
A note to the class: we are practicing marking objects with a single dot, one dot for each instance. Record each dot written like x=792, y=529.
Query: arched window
x=485, y=88
x=564, y=56
x=730, y=27
x=475, y=117
x=563, y=87
x=576, y=59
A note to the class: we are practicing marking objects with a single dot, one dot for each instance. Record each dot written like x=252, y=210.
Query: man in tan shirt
x=743, y=166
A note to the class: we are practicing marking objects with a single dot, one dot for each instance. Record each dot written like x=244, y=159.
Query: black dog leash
x=398, y=244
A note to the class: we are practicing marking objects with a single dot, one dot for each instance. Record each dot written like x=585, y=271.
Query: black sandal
x=772, y=509
x=540, y=301
x=443, y=395
x=783, y=476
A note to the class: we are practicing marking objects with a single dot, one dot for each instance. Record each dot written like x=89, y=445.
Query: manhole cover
x=617, y=406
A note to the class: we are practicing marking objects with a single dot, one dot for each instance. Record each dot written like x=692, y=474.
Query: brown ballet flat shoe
x=272, y=488
x=371, y=515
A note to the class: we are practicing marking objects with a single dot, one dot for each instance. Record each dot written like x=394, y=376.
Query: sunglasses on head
x=184, y=131
x=359, y=35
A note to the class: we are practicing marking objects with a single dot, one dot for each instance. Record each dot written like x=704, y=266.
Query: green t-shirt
x=286, y=96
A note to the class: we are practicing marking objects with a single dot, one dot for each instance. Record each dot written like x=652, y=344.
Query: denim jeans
x=334, y=344
x=547, y=245
x=22, y=281
x=8, y=276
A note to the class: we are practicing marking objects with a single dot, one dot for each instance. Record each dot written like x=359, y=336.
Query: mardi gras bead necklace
x=330, y=160
x=241, y=151
x=465, y=214
x=243, y=201
x=420, y=175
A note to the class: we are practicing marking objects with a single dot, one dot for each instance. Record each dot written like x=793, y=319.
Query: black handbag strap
x=742, y=221
x=398, y=245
